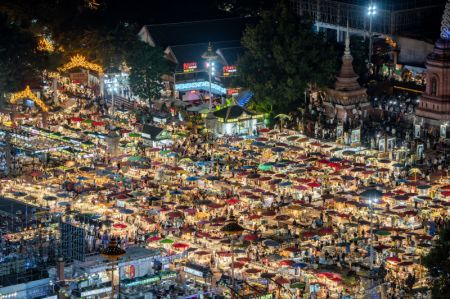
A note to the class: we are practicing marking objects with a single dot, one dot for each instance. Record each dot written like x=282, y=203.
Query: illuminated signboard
x=96, y=292
x=202, y=85
x=229, y=70
x=233, y=91
x=193, y=271
x=189, y=67
x=150, y=279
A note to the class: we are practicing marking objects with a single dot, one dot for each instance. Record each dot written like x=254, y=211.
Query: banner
x=390, y=144
x=356, y=136
x=443, y=131
x=339, y=131
x=381, y=145
x=420, y=149
x=416, y=131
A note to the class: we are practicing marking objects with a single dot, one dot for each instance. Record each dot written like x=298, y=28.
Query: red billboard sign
x=229, y=70
x=189, y=67
x=233, y=91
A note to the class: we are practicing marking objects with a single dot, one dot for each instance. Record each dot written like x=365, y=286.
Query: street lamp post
x=232, y=228
x=372, y=195
x=112, y=85
x=371, y=12
x=113, y=253
x=210, y=57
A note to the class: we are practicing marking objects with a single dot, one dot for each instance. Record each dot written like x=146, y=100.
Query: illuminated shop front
x=198, y=272
x=135, y=287
x=235, y=120
x=137, y=265
x=33, y=289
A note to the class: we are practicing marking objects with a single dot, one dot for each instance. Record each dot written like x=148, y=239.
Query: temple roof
x=184, y=33
x=232, y=112
x=347, y=80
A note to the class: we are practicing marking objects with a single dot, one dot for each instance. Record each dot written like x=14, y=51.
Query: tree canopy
x=147, y=68
x=438, y=264
x=18, y=56
x=75, y=27
x=284, y=57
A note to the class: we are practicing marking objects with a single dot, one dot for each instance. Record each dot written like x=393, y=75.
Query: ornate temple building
x=434, y=105
x=348, y=100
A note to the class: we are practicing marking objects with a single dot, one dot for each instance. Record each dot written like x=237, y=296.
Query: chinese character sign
x=189, y=67
x=229, y=70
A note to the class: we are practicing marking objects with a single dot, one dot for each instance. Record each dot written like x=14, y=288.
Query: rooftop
x=228, y=51
x=98, y=263
x=232, y=112
x=184, y=33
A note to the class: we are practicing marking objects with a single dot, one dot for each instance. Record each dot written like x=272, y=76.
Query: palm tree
x=282, y=118
x=415, y=171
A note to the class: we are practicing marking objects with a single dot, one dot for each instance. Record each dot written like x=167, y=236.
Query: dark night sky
x=163, y=11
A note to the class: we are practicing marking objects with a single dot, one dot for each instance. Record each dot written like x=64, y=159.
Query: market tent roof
x=232, y=112
x=153, y=132
x=198, y=108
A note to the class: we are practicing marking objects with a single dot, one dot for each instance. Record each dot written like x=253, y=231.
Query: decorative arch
x=433, y=90
x=433, y=84
x=28, y=94
x=80, y=61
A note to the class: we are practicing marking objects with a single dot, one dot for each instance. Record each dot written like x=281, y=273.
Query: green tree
x=283, y=58
x=360, y=49
x=18, y=57
x=438, y=264
x=147, y=66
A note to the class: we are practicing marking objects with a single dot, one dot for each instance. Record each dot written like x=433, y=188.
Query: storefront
x=32, y=289
x=131, y=288
x=94, y=292
x=198, y=273
x=155, y=136
x=235, y=120
x=136, y=266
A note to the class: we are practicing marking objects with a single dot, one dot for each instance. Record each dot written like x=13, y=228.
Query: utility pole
x=371, y=12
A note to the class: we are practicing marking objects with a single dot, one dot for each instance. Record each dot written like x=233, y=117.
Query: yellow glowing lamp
x=28, y=94
x=80, y=61
x=44, y=45
x=92, y=4
x=53, y=75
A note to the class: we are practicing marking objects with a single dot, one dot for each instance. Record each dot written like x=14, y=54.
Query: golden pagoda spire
x=347, y=42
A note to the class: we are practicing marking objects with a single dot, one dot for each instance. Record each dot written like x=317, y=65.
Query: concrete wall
x=413, y=51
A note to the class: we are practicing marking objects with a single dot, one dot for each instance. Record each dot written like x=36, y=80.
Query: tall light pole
x=210, y=56
x=113, y=253
x=372, y=195
x=371, y=12
x=232, y=228
x=112, y=85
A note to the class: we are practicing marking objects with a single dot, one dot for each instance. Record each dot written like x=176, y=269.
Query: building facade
x=434, y=106
x=347, y=100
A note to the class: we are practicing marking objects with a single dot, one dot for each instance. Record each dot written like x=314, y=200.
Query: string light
x=53, y=75
x=44, y=45
x=80, y=61
x=92, y=4
x=28, y=94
